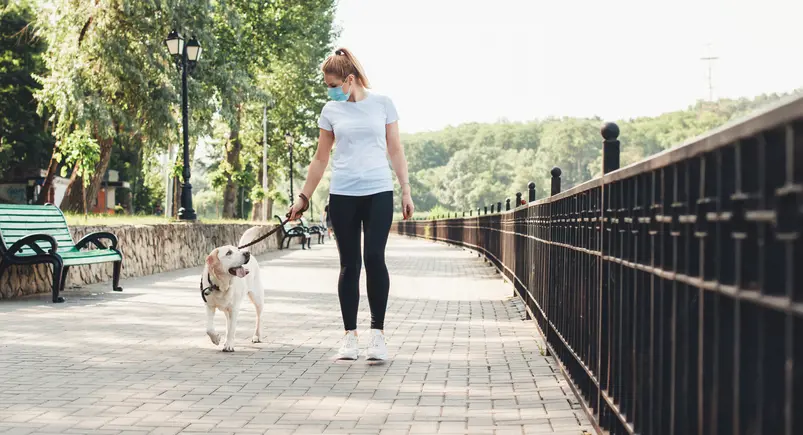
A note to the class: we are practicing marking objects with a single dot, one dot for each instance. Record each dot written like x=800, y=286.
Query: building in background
x=26, y=189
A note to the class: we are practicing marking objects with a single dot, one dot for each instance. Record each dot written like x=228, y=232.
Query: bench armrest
x=95, y=239
x=30, y=241
x=294, y=230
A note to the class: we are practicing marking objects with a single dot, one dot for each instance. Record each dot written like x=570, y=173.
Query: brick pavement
x=139, y=362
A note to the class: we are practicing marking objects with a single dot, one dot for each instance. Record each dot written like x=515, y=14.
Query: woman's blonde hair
x=343, y=63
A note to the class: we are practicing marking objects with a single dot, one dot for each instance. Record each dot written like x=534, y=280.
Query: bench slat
x=32, y=226
x=14, y=232
x=29, y=218
x=27, y=207
x=45, y=247
x=75, y=258
x=62, y=240
x=41, y=212
x=49, y=221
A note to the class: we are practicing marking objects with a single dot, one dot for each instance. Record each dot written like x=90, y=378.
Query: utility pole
x=710, y=58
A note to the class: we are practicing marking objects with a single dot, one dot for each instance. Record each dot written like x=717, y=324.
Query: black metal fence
x=671, y=290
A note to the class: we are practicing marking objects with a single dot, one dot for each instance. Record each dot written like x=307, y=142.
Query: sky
x=448, y=62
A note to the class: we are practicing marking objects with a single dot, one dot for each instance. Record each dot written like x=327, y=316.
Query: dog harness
x=212, y=287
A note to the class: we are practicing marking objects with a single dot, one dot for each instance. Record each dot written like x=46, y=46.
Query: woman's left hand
x=407, y=206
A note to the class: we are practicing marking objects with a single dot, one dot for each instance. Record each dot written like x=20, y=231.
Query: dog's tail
x=249, y=235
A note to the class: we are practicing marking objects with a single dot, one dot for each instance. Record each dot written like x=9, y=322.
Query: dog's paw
x=256, y=339
x=228, y=348
x=215, y=337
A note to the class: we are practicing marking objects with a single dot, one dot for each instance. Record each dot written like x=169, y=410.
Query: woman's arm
x=399, y=162
x=326, y=140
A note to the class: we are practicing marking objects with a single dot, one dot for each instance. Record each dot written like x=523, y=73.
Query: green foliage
x=477, y=165
x=103, y=64
x=437, y=211
x=258, y=194
x=80, y=152
x=25, y=143
x=151, y=194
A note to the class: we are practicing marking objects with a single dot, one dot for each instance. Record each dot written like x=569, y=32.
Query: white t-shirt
x=360, y=164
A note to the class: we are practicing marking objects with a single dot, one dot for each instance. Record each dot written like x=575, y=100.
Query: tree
x=473, y=165
x=82, y=153
x=25, y=141
x=107, y=70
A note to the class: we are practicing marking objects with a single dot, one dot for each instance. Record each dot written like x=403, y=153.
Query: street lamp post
x=289, y=139
x=186, y=58
x=265, y=163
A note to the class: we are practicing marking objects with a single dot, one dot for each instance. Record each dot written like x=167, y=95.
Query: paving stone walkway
x=139, y=362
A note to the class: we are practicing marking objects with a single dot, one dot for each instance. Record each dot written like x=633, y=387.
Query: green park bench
x=38, y=234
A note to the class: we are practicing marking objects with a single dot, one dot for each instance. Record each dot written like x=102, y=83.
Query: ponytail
x=343, y=63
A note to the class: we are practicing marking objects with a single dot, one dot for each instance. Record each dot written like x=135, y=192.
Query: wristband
x=306, y=201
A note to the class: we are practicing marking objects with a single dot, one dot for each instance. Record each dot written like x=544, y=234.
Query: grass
x=105, y=219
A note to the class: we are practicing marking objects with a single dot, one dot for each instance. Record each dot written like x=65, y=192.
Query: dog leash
x=265, y=236
x=273, y=231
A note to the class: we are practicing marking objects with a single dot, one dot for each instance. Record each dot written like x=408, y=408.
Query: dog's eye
x=229, y=253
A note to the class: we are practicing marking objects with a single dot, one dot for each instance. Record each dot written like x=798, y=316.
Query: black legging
x=375, y=214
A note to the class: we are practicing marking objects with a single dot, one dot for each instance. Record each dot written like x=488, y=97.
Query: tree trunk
x=233, y=159
x=138, y=181
x=176, y=197
x=74, y=184
x=73, y=197
x=51, y=173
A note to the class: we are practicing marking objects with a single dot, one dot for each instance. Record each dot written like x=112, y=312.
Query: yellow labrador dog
x=229, y=275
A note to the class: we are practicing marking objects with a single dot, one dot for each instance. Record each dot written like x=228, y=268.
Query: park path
x=464, y=360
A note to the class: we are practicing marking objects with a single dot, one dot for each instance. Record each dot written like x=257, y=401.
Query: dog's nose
x=247, y=256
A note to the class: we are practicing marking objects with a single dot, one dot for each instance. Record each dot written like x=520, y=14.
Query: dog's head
x=226, y=262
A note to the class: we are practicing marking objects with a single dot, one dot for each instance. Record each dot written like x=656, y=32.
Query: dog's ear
x=214, y=265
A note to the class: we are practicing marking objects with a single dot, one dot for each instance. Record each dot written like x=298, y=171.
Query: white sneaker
x=348, y=346
x=376, y=350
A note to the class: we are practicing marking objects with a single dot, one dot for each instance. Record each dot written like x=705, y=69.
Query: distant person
x=364, y=127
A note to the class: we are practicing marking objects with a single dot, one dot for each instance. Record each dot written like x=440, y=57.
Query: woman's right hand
x=297, y=209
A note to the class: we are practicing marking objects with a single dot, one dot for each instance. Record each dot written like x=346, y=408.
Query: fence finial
x=610, y=147
x=507, y=204
x=531, y=188
x=555, y=180
x=499, y=207
x=518, y=199
x=492, y=208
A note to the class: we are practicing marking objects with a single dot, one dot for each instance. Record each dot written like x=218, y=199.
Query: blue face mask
x=337, y=94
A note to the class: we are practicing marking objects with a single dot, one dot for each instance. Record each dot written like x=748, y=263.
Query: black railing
x=671, y=290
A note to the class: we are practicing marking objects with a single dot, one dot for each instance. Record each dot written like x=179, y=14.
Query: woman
x=365, y=128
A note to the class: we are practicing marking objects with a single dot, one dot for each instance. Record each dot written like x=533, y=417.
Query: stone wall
x=147, y=249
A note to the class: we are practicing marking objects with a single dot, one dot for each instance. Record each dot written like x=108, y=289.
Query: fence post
x=507, y=204
x=531, y=188
x=492, y=208
x=610, y=147
x=555, y=180
x=464, y=213
x=518, y=199
x=499, y=207
x=486, y=209
x=471, y=213
x=479, y=211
